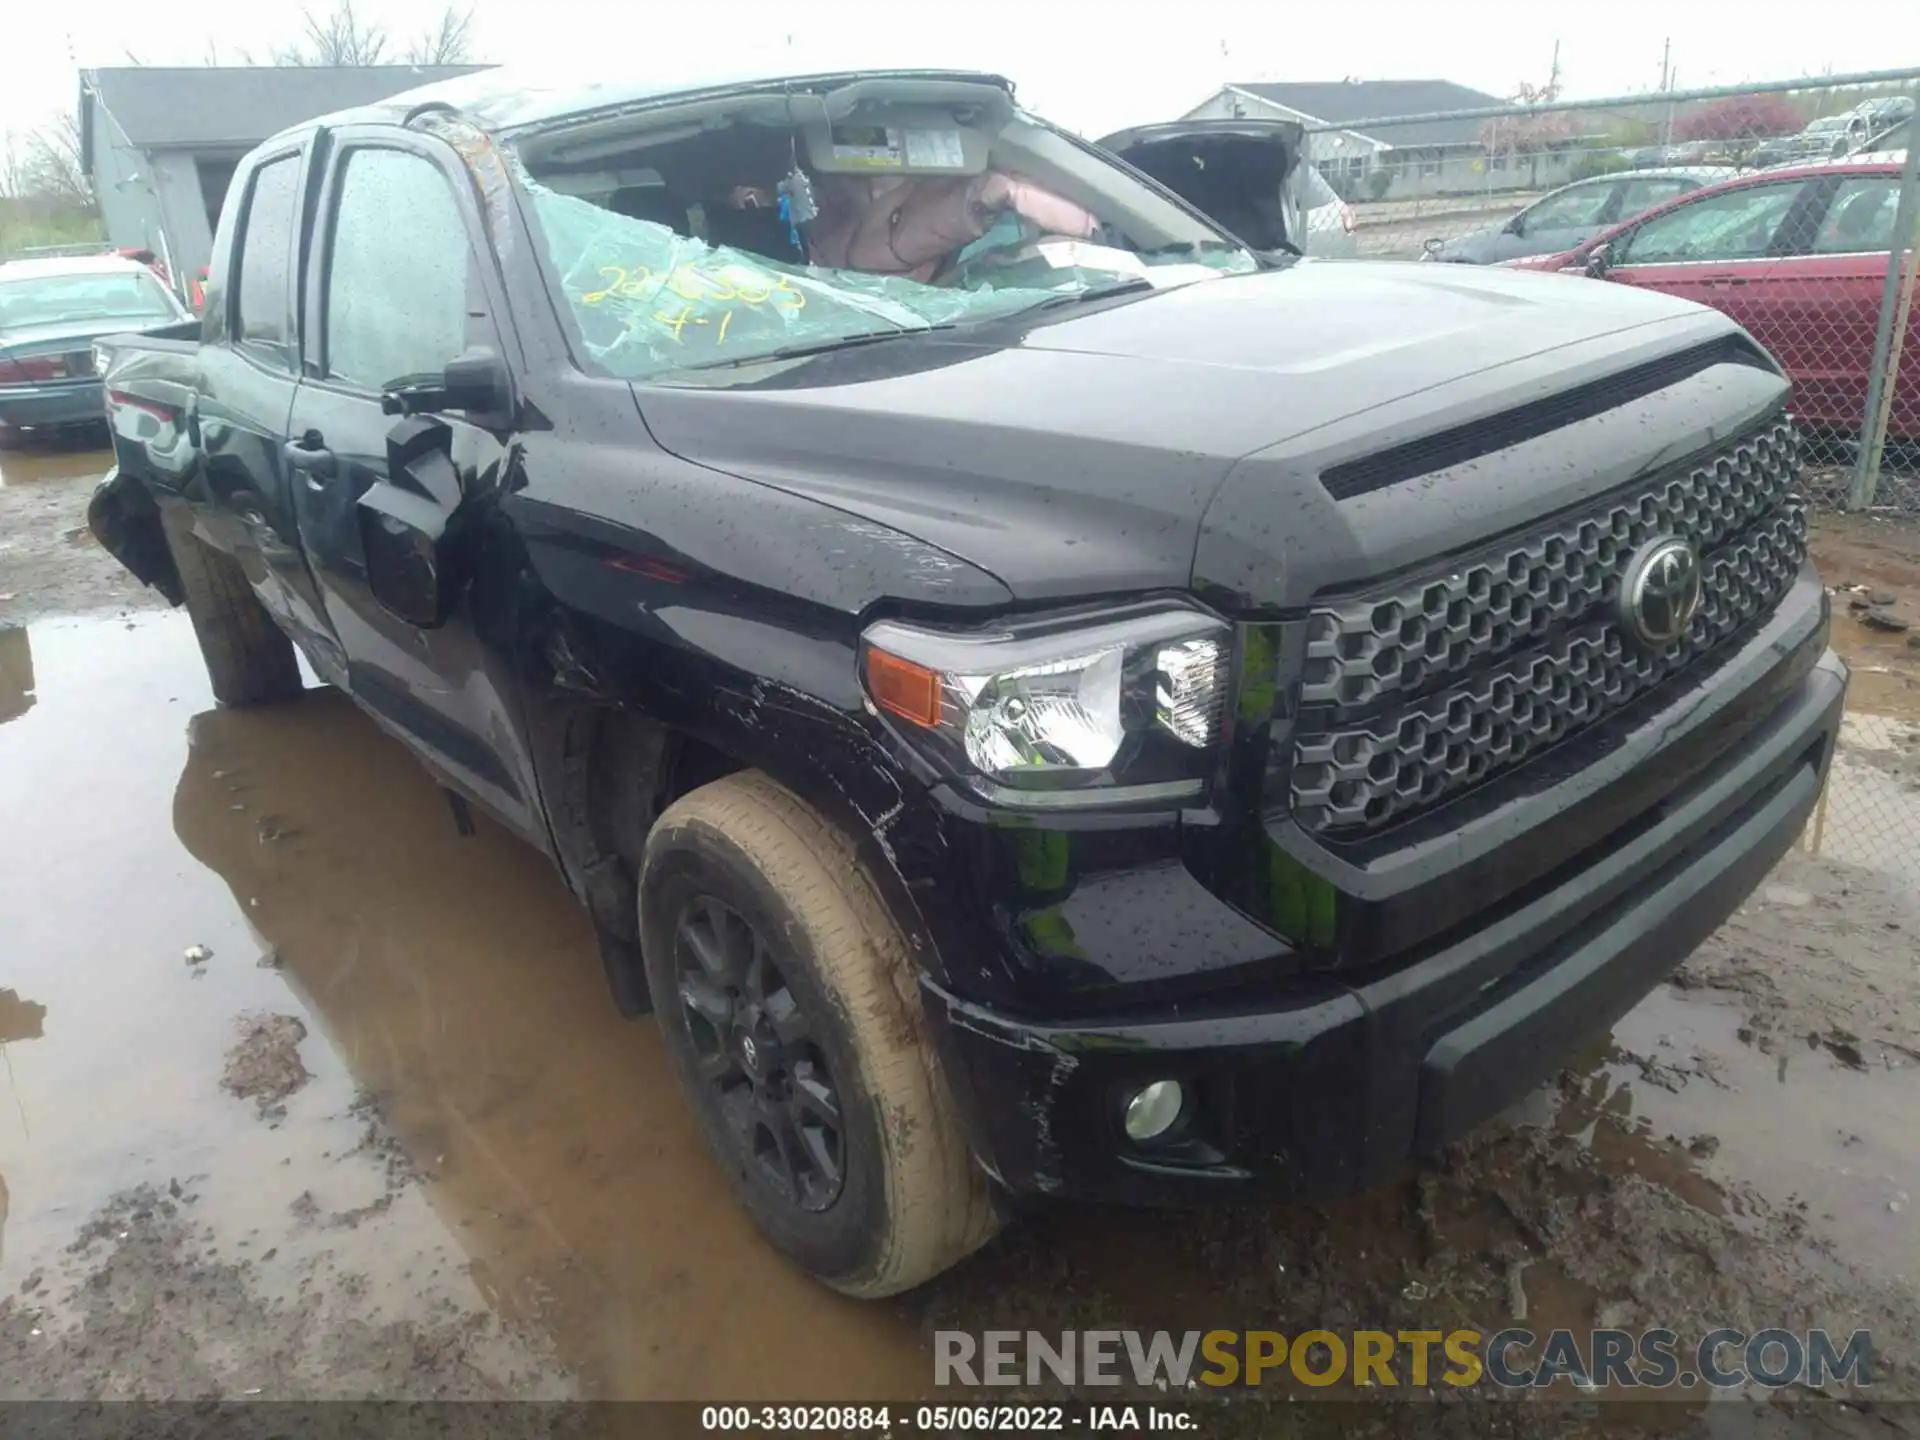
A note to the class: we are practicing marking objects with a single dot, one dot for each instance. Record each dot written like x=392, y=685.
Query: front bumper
x=1331, y=1085
x=67, y=403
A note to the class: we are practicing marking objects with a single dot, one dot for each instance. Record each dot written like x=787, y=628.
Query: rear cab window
x=263, y=308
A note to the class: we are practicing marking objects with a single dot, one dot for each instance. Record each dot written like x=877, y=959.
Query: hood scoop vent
x=1463, y=443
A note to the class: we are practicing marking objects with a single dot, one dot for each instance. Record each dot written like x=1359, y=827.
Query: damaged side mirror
x=406, y=522
x=1597, y=263
x=476, y=385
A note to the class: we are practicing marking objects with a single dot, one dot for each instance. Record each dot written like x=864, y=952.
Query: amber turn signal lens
x=903, y=688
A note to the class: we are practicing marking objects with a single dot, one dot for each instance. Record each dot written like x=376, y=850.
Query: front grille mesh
x=1470, y=625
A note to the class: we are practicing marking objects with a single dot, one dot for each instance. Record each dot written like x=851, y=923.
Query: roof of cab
x=506, y=99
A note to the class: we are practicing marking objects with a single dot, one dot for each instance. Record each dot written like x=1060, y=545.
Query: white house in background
x=1421, y=157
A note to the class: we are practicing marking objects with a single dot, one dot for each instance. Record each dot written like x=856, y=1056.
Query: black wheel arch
x=611, y=757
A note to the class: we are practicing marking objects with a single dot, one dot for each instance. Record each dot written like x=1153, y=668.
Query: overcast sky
x=1092, y=67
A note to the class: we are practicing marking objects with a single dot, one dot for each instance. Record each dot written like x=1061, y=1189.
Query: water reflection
x=63, y=455
x=459, y=982
x=16, y=672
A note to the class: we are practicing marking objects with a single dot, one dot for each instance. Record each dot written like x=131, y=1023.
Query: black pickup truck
x=1042, y=691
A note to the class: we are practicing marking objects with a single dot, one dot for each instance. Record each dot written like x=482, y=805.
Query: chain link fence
x=1869, y=814
x=1793, y=206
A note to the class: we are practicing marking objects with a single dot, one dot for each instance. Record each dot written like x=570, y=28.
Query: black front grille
x=1419, y=689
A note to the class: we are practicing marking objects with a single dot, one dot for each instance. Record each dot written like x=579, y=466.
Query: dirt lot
x=309, y=1096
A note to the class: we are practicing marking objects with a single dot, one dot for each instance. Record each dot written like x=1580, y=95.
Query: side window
x=266, y=248
x=1860, y=219
x=1737, y=225
x=1573, y=207
x=1640, y=195
x=396, y=285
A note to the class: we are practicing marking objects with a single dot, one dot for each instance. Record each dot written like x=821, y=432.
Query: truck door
x=398, y=285
x=248, y=369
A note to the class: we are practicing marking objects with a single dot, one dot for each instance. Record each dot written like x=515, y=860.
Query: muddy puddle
x=50, y=564
x=180, y=870
x=1822, y=1122
x=302, y=1071
x=54, y=458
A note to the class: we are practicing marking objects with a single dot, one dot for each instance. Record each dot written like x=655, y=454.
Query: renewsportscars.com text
x=1513, y=1359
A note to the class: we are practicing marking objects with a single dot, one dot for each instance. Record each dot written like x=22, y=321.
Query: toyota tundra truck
x=1043, y=691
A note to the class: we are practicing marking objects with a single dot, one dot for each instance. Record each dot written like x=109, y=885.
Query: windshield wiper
x=1139, y=285
x=816, y=347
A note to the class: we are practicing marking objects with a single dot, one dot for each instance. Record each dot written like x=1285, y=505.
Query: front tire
x=786, y=995
x=249, y=660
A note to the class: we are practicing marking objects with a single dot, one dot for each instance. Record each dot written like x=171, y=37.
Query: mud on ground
x=50, y=564
x=381, y=1134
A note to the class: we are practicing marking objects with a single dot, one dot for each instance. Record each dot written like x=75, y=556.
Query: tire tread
x=249, y=661
x=940, y=1205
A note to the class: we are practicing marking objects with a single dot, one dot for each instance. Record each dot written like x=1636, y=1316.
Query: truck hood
x=1178, y=439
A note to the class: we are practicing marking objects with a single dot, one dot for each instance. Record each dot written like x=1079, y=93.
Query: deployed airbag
x=907, y=225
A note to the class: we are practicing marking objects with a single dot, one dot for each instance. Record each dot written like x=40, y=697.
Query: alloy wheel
x=759, y=1055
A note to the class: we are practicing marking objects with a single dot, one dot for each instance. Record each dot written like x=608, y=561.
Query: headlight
x=1118, y=711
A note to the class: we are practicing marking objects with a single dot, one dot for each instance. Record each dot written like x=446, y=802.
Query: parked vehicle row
x=1797, y=257
x=1834, y=137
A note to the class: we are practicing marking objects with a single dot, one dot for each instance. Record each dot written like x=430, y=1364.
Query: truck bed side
x=150, y=383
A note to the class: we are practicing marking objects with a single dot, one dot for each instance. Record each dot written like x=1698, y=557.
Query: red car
x=1798, y=256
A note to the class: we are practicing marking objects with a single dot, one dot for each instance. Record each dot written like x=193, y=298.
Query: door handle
x=309, y=455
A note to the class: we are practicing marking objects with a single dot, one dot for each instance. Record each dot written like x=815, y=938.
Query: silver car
x=1327, y=220
x=1573, y=214
x=51, y=311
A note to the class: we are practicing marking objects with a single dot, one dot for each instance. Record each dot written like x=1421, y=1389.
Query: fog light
x=1154, y=1109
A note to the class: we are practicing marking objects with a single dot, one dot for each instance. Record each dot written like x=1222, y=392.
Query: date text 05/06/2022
x=944, y=1419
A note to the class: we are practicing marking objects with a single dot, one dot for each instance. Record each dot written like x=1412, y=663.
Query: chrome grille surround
x=1551, y=592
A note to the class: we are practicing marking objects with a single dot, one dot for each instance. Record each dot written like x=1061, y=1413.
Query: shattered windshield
x=748, y=241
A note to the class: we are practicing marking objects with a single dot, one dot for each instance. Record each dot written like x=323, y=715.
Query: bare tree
x=13, y=167
x=338, y=38
x=44, y=164
x=342, y=37
x=448, y=43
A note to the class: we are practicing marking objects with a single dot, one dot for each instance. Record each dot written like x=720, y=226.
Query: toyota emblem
x=1660, y=591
